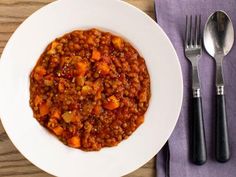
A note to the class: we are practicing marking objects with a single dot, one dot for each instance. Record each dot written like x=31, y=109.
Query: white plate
x=23, y=50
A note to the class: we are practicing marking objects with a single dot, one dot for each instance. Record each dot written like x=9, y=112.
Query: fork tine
x=190, y=31
x=186, y=32
x=197, y=40
x=199, y=29
x=196, y=30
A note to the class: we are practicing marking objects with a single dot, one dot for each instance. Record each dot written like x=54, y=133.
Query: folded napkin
x=171, y=17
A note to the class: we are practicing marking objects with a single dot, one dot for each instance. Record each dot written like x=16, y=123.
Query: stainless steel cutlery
x=193, y=51
x=218, y=40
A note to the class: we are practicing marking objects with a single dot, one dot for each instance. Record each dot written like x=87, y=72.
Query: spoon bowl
x=218, y=34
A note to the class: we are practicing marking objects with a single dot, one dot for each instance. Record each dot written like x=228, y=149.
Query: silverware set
x=218, y=39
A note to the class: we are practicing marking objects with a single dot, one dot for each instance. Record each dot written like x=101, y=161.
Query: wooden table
x=12, y=163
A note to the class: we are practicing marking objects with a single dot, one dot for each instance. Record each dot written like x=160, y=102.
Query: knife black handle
x=199, y=156
x=222, y=140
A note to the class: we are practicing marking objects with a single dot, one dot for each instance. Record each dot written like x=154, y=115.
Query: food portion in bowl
x=90, y=88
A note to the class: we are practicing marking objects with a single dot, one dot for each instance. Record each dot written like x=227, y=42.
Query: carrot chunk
x=82, y=68
x=117, y=42
x=74, y=142
x=103, y=68
x=56, y=113
x=112, y=103
x=43, y=109
x=58, y=130
x=139, y=120
x=96, y=55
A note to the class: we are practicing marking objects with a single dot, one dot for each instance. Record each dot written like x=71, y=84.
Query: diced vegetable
x=96, y=55
x=38, y=100
x=112, y=103
x=56, y=113
x=97, y=85
x=103, y=68
x=43, y=109
x=90, y=40
x=98, y=94
x=97, y=110
x=117, y=42
x=82, y=68
x=58, y=130
x=71, y=116
x=68, y=116
x=86, y=90
x=74, y=142
x=53, y=47
x=140, y=120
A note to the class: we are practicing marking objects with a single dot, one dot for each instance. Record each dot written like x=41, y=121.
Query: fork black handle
x=199, y=156
x=222, y=140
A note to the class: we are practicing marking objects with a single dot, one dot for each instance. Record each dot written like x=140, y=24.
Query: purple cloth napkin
x=171, y=17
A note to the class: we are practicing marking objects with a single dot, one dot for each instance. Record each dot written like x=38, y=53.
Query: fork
x=193, y=51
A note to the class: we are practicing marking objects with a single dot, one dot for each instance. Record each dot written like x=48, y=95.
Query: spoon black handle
x=198, y=134
x=222, y=140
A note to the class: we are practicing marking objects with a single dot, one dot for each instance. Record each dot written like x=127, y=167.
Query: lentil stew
x=90, y=88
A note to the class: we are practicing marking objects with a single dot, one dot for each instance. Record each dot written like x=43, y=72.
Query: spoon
x=218, y=39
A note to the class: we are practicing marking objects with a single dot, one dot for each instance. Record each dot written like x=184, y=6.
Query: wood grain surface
x=12, y=14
